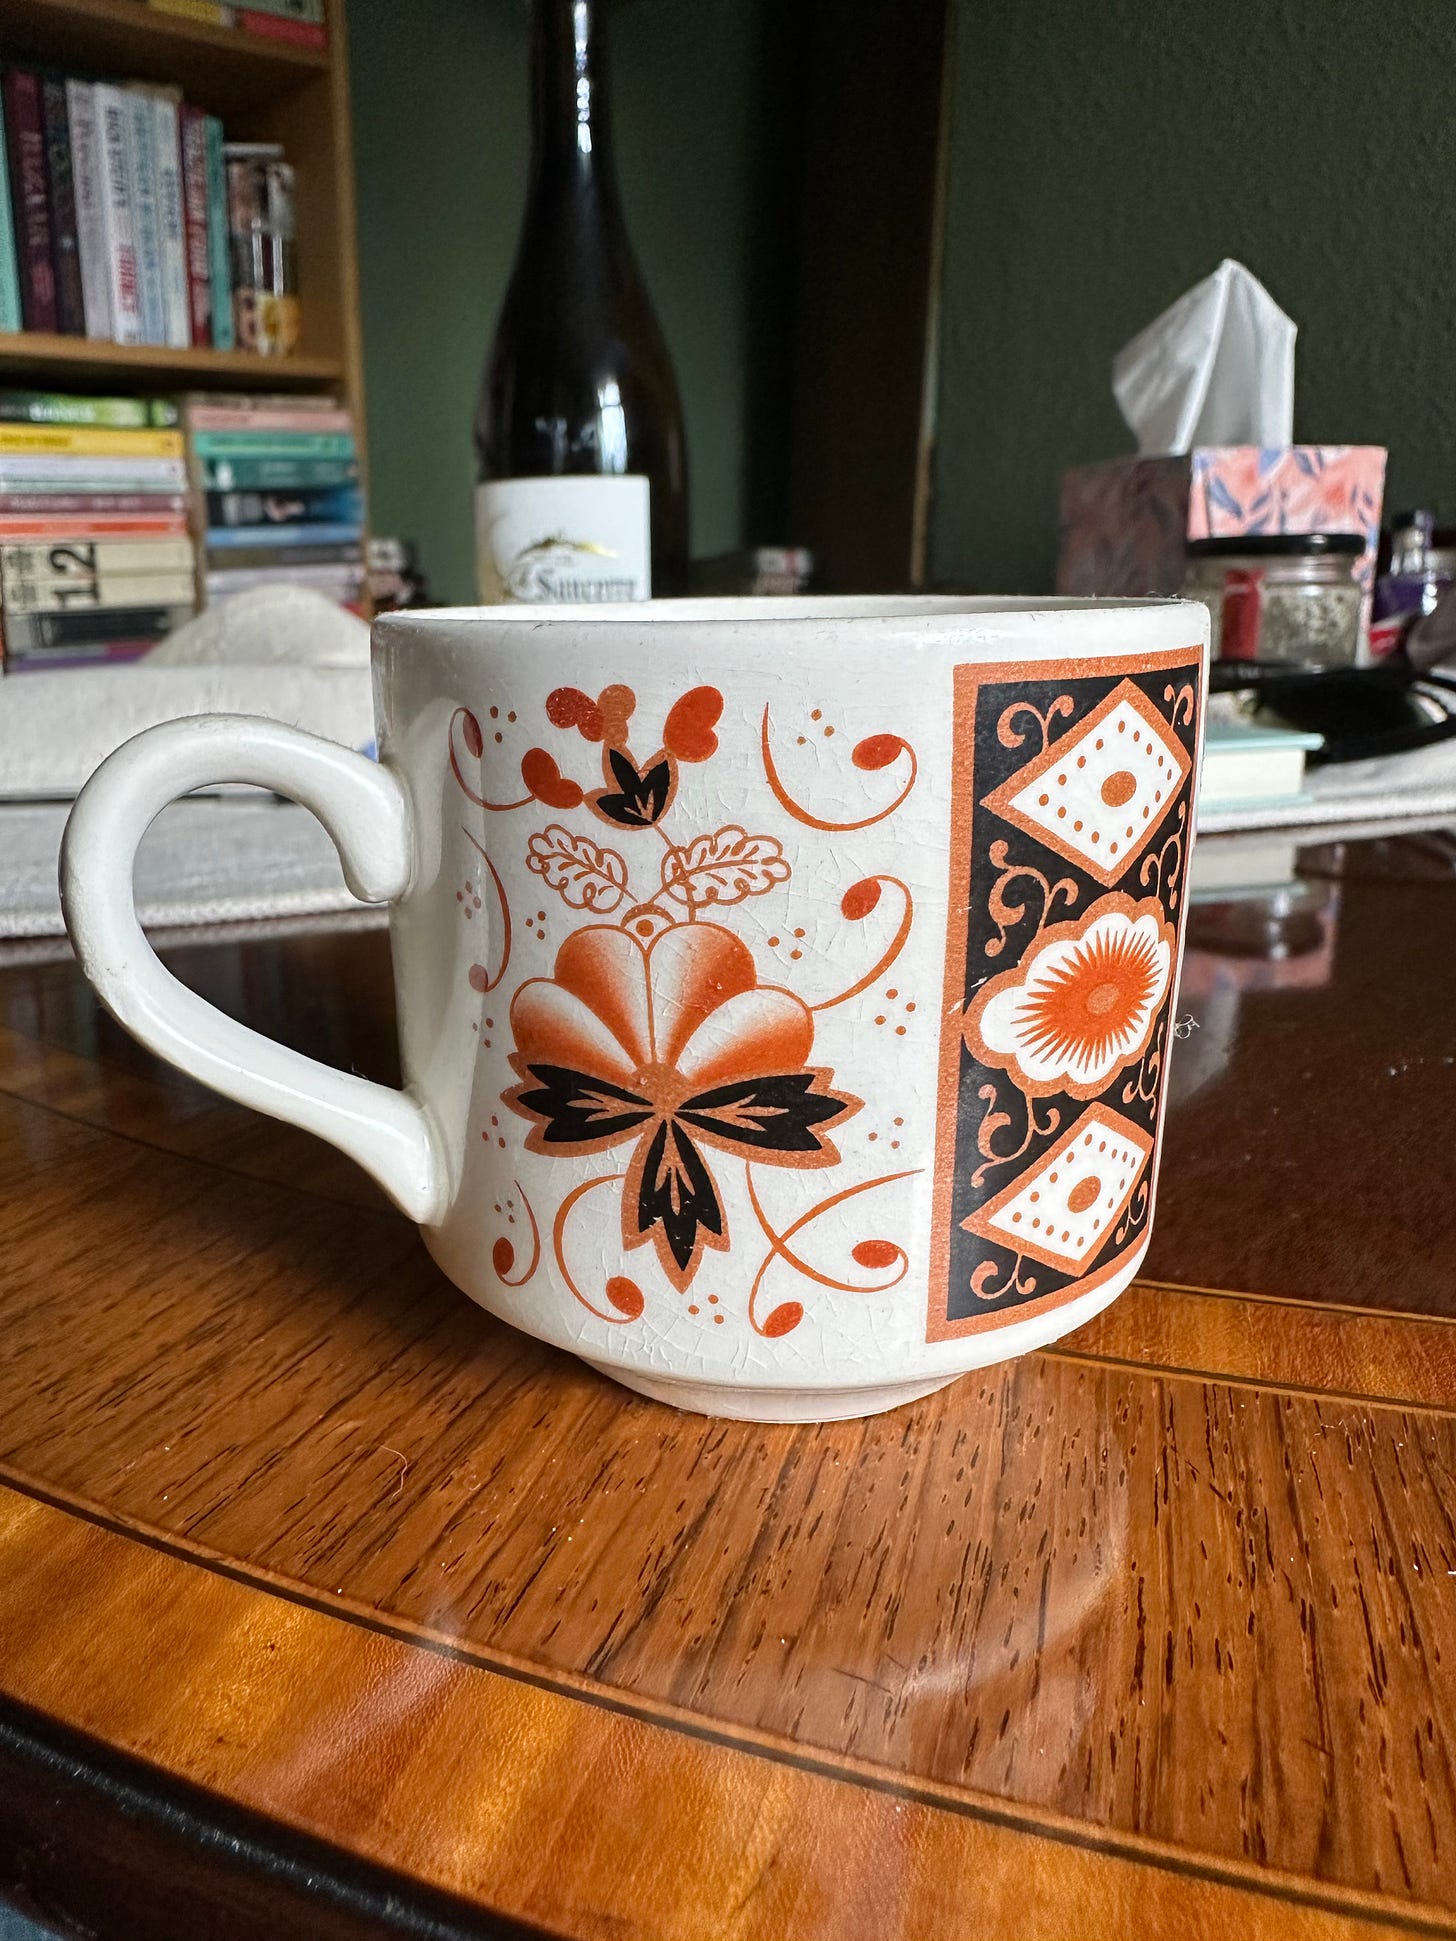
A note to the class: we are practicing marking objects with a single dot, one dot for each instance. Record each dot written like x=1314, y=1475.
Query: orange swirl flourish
x=503, y=1254
x=981, y=1281
x=1183, y=704
x=623, y=1294
x=480, y=978
x=475, y=745
x=870, y=1253
x=875, y=753
x=856, y=903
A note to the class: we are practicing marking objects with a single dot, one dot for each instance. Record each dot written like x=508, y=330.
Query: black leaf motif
x=676, y=1193
x=642, y=798
x=774, y=1114
x=577, y=1110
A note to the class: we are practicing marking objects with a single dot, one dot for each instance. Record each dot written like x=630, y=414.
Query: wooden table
x=331, y=1607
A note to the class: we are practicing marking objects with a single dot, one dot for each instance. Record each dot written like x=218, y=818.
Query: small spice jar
x=1285, y=596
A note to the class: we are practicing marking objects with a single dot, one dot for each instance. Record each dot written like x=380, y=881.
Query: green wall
x=440, y=140
x=1104, y=156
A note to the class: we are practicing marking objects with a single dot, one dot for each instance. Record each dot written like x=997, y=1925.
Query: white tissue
x=284, y=651
x=291, y=626
x=1217, y=368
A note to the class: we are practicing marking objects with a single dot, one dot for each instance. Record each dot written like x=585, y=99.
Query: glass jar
x=1286, y=596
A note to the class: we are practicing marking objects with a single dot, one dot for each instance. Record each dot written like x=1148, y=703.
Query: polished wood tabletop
x=330, y=1606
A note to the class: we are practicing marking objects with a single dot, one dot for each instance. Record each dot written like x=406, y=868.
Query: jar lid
x=1279, y=545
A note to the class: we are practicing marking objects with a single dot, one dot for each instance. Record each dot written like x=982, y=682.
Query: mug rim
x=934, y=612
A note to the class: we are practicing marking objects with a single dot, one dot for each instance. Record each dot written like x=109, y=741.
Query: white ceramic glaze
x=698, y=993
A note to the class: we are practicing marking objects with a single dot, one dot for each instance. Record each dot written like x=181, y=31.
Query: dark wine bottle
x=582, y=491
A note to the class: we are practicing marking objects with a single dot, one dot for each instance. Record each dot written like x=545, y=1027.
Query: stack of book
x=116, y=221
x=1248, y=765
x=300, y=22
x=277, y=482
x=96, y=563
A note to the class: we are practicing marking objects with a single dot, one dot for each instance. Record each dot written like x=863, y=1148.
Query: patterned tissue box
x=1125, y=522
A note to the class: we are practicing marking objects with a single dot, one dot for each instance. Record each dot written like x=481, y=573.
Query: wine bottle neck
x=571, y=128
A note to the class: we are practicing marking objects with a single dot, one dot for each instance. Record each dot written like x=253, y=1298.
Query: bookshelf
x=264, y=90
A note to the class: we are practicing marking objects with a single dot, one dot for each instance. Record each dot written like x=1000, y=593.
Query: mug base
x=775, y=1404
x=764, y=1404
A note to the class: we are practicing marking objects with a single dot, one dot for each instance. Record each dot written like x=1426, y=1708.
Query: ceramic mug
x=785, y=987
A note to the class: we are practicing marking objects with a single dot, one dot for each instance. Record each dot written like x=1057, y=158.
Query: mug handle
x=365, y=809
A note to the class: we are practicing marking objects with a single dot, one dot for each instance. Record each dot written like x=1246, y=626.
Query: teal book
x=222, y=540
x=224, y=337
x=146, y=211
x=273, y=444
x=9, y=263
x=277, y=474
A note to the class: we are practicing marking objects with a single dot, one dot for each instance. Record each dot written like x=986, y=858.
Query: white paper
x=1216, y=368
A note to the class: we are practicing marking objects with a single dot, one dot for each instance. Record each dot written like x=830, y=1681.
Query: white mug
x=785, y=986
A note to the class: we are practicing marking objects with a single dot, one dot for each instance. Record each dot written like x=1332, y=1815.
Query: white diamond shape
x=1064, y=1209
x=1097, y=793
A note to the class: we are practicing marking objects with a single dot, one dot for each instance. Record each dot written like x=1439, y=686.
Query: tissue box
x=1125, y=523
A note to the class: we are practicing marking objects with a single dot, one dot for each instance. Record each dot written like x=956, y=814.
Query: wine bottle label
x=563, y=539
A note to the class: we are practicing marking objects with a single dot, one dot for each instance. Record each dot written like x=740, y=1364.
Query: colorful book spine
x=65, y=243
x=224, y=335
x=118, y=223
x=224, y=539
x=249, y=444
x=60, y=408
x=309, y=12
x=194, y=209
x=25, y=148
x=315, y=402
x=87, y=441
x=94, y=558
x=212, y=13
x=215, y=417
x=276, y=474
x=297, y=33
x=15, y=526
x=328, y=505
x=146, y=220
x=38, y=471
x=270, y=559
x=78, y=594
x=346, y=580
x=171, y=219
x=72, y=504
x=9, y=263
x=85, y=129
x=27, y=632
x=107, y=654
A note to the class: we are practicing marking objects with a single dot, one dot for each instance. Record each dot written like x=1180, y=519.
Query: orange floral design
x=1082, y=1004
x=633, y=795
x=672, y=1045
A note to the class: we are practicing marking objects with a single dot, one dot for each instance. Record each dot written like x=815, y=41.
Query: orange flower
x=1081, y=1004
x=673, y=1045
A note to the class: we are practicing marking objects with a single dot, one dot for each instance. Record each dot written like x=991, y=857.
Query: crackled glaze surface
x=740, y=939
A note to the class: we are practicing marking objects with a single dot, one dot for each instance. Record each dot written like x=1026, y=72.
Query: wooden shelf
x=40, y=354
x=221, y=68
